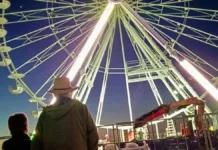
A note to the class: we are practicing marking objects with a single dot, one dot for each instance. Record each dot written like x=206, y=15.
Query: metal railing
x=155, y=134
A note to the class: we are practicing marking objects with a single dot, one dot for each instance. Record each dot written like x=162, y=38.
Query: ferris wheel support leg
x=154, y=45
x=88, y=77
x=143, y=48
x=93, y=37
x=147, y=36
x=148, y=75
x=104, y=84
x=86, y=86
x=85, y=78
x=88, y=81
x=79, y=94
x=126, y=74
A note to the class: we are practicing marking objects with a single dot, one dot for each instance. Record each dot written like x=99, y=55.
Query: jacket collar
x=20, y=136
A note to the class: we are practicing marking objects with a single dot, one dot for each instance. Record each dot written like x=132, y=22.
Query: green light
x=32, y=137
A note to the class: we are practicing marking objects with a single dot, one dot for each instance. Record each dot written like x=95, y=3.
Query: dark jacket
x=17, y=142
x=66, y=126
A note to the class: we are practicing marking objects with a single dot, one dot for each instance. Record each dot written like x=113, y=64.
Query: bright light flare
x=53, y=100
x=99, y=27
x=199, y=78
x=90, y=42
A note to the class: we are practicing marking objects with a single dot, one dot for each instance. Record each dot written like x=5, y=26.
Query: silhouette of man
x=65, y=125
x=18, y=126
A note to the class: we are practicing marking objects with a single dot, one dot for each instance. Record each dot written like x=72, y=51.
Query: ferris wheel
x=72, y=38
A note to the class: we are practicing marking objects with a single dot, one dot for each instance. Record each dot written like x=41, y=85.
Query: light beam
x=99, y=27
x=199, y=78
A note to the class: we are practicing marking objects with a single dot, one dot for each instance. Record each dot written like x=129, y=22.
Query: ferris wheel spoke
x=188, y=54
x=45, y=55
x=180, y=11
x=155, y=1
x=174, y=2
x=150, y=17
x=142, y=49
x=88, y=16
x=150, y=61
x=41, y=33
x=38, y=38
x=134, y=36
x=69, y=1
x=54, y=2
x=36, y=32
x=38, y=15
x=197, y=63
x=133, y=42
x=188, y=31
x=63, y=68
x=160, y=2
x=74, y=3
x=83, y=26
x=65, y=40
x=197, y=60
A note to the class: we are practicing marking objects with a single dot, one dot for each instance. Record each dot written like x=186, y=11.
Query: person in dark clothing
x=66, y=124
x=18, y=126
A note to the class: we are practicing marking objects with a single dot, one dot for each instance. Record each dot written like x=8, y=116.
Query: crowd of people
x=64, y=125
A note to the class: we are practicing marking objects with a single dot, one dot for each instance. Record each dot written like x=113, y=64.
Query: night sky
x=115, y=107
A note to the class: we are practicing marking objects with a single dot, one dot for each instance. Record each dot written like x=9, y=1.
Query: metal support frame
x=126, y=74
x=142, y=47
x=93, y=64
x=146, y=30
x=155, y=66
x=157, y=131
x=104, y=84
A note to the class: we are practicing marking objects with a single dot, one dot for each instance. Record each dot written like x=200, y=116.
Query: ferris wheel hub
x=115, y=1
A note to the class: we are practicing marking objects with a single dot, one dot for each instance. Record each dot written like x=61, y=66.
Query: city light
x=199, y=78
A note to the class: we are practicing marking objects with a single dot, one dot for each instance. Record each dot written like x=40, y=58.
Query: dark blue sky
x=115, y=107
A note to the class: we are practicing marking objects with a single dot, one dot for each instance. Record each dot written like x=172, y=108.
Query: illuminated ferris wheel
x=72, y=38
